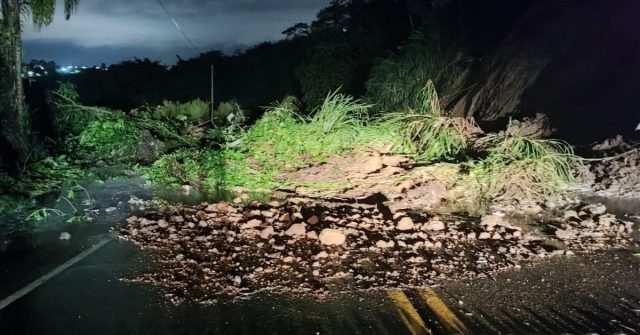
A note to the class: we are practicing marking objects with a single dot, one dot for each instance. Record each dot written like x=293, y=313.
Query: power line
x=175, y=23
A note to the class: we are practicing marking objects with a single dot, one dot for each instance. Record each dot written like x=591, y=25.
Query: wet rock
x=406, y=223
x=110, y=209
x=330, y=236
x=296, y=230
x=65, y=236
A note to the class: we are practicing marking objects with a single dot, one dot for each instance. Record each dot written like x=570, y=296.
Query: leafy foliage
x=193, y=111
x=69, y=117
x=112, y=137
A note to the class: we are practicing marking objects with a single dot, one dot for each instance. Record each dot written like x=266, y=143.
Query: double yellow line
x=416, y=325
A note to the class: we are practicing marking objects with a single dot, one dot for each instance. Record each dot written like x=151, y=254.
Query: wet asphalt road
x=585, y=294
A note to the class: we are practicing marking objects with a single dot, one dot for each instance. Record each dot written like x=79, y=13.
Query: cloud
x=143, y=25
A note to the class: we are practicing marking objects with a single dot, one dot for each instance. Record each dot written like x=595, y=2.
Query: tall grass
x=396, y=81
x=531, y=167
x=432, y=135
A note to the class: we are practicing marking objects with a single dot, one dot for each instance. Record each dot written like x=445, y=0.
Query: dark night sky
x=113, y=30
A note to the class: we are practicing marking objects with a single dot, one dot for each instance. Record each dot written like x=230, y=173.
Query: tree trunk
x=12, y=111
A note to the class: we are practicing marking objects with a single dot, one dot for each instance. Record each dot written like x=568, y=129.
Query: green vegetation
x=110, y=138
x=432, y=135
x=397, y=81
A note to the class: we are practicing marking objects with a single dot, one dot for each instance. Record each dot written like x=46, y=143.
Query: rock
x=322, y=254
x=203, y=224
x=471, y=236
x=330, y=236
x=163, y=224
x=66, y=236
x=385, y=244
x=286, y=217
x=405, y=224
x=110, y=209
x=237, y=200
x=595, y=209
x=254, y=213
x=185, y=189
x=564, y=234
x=253, y=223
x=313, y=220
x=297, y=215
x=177, y=219
x=484, y=235
x=296, y=230
x=312, y=235
x=266, y=233
x=491, y=220
x=435, y=225
x=571, y=214
x=288, y=259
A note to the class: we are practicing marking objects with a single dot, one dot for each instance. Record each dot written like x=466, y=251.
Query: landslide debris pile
x=210, y=250
x=617, y=177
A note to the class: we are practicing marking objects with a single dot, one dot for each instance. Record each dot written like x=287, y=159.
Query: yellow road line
x=408, y=313
x=446, y=317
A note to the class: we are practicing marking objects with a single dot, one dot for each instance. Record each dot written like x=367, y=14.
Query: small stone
x=203, y=224
x=571, y=214
x=286, y=217
x=288, y=259
x=435, y=225
x=254, y=223
x=296, y=230
x=237, y=280
x=237, y=200
x=322, y=254
x=297, y=215
x=177, y=219
x=254, y=213
x=312, y=235
x=66, y=236
x=313, y=220
x=496, y=236
x=471, y=236
x=316, y=273
x=484, y=235
x=384, y=244
x=266, y=233
x=163, y=224
x=330, y=236
x=111, y=209
x=565, y=234
x=491, y=220
x=405, y=224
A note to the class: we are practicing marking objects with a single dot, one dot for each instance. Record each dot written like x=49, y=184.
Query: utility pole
x=212, y=90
